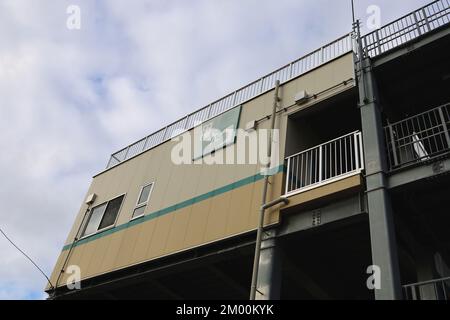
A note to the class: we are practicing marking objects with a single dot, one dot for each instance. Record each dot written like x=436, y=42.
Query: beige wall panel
x=205, y=179
x=217, y=219
x=178, y=230
x=271, y=216
x=101, y=246
x=75, y=258
x=197, y=222
x=143, y=241
x=174, y=186
x=111, y=251
x=239, y=212
x=85, y=259
x=325, y=190
x=57, y=268
x=158, y=245
x=190, y=182
x=127, y=246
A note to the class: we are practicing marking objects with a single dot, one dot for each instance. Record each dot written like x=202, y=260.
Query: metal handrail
x=324, y=163
x=407, y=28
x=440, y=287
x=418, y=138
x=306, y=63
x=397, y=33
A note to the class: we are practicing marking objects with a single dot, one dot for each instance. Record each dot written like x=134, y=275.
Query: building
x=362, y=175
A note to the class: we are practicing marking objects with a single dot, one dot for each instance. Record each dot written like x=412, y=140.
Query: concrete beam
x=414, y=174
x=408, y=48
x=335, y=211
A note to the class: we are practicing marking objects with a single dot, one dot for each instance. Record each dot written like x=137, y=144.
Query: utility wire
x=26, y=256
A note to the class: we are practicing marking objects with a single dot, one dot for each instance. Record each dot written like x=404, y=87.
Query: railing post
x=261, y=86
x=287, y=175
x=145, y=143
x=209, y=112
x=377, y=37
x=126, y=154
x=233, y=103
x=394, y=148
x=361, y=151
x=425, y=17
x=444, y=125
x=320, y=163
x=417, y=23
x=355, y=153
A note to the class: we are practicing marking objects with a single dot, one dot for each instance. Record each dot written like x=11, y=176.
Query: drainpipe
x=70, y=251
x=265, y=205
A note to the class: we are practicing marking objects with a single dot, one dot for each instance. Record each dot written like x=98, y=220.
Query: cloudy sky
x=69, y=98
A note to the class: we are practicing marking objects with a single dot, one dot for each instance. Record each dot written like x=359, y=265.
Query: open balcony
x=326, y=163
x=420, y=138
x=438, y=289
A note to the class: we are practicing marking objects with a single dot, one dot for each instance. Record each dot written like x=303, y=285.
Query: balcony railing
x=418, y=138
x=407, y=28
x=328, y=162
x=428, y=290
x=397, y=33
x=288, y=72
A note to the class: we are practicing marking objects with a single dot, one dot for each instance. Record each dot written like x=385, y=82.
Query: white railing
x=325, y=163
x=288, y=72
x=407, y=28
x=418, y=138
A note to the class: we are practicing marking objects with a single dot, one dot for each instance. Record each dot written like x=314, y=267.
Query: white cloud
x=70, y=98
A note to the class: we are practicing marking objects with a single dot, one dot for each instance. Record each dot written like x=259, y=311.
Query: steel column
x=382, y=233
x=269, y=275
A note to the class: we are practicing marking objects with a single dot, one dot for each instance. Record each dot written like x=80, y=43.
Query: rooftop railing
x=394, y=34
x=288, y=72
x=407, y=28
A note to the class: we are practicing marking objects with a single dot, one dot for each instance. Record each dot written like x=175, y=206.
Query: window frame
x=143, y=204
x=83, y=236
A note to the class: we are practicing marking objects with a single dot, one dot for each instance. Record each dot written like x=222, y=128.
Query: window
x=103, y=216
x=142, y=200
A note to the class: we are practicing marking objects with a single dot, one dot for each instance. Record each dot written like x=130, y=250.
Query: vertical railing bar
x=417, y=23
x=340, y=156
x=320, y=163
x=394, y=148
x=355, y=152
x=426, y=19
x=335, y=158
x=444, y=290
x=288, y=175
x=360, y=151
x=126, y=154
x=436, y=294
x=444, y=125
x=414, y=293
x=302, y=175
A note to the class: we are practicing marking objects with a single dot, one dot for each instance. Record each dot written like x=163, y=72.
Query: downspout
x=265, y=205
x=70, y=251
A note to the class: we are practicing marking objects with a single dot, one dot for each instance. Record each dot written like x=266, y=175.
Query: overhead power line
x=26, y=256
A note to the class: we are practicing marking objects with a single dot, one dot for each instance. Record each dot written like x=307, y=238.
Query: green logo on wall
x=217, y=133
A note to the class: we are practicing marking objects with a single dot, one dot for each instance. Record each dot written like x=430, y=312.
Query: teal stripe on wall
x=175, y=207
